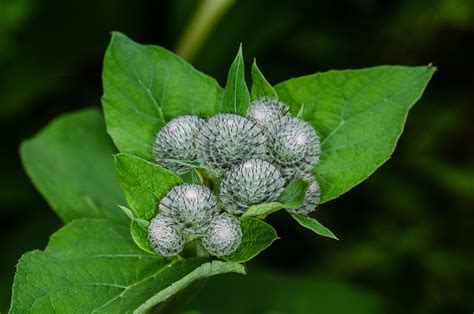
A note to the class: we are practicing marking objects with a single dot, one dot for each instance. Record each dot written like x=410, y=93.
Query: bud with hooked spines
x=175, y=142
x=251, y=182
x=264, y=111
x=294, y=146
x=227, y=139
x=191, y=206
x=223, y=236
x=166, y=237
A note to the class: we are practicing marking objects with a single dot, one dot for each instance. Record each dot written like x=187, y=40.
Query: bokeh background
x=407, y=233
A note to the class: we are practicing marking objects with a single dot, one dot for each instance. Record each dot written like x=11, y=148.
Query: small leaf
x=294, y=193
x=263, y=210
x=292, y=196
x=139, y=232
x=260, y=86
x=314, y=225
x=70, y=162
x=144, y=183
x=144, y=87
x=92, y=265
x=236, y=95
x=127, y=211
x=257, y=236
x=359, y=115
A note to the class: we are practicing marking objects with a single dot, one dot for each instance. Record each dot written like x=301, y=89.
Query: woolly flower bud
x=312, y=198
x=251, y=182
x=165, y=236
x=223, y=236
x=227, y=139
x=191, y=206
x=294, y=146
x=266, y=110
x=175, y=141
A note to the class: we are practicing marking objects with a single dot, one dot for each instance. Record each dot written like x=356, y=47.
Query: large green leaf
x=70, y=163
x=236, y=95
x=92, y=265
x=144, y=183
x=359, y=115
x=146, y=86
x=257, y=236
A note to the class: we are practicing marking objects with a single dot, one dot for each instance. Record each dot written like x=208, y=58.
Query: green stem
x=205, y=18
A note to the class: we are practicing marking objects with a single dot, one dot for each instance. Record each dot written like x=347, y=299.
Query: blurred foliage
x=268, y=292
x=405, y=233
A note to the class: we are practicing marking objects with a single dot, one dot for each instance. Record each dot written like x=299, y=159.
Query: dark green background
x=406, y=233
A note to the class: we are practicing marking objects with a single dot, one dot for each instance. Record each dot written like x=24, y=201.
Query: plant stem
x=205, y=18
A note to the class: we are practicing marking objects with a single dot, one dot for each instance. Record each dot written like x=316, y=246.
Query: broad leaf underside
x=93, y=265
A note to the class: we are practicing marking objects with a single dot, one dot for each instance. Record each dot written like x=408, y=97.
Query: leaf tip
x=433, y=67
x=127, y=211
x=117, y=34
x=335, y=238
x=114, y=36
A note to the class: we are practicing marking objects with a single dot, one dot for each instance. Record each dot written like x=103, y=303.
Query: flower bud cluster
x=191, y=210
x=253, y=157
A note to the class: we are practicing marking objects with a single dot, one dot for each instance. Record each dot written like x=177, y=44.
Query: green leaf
x=139, y=232
x=70, y=163
x=260, y=86
x=127, y=211
x=359, y=115
x=144, y=183
x=264, y=209
x=236, y=95
x=294, y=193
x=291, y=197
x=146, y=86
x=314, y=225
x=92, y=265
x=257, y=236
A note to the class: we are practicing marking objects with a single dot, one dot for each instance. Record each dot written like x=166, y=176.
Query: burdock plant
x=226, y=140
x=190, y=205
x=265, y=111
x=251, y=182
x=175, y=143
x=223, y=236
x=294, y=146
x=198, y=169
x=166, y=236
